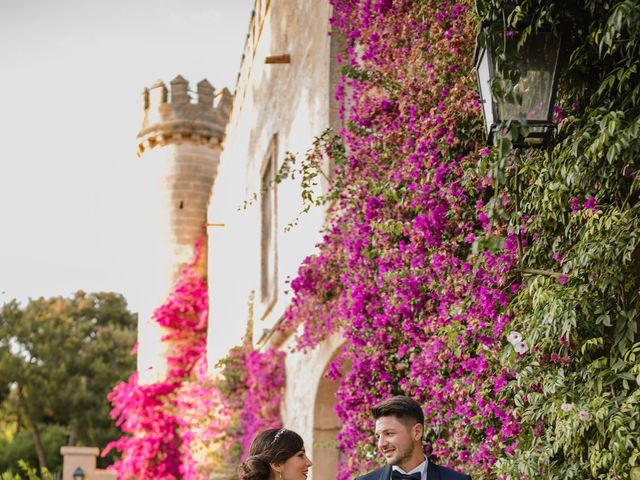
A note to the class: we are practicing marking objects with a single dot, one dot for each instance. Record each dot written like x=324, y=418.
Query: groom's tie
x=396, y=475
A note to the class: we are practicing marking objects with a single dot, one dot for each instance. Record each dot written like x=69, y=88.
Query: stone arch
x=326, y=426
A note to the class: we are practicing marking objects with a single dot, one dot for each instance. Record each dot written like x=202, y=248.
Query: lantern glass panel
x=484, y=79
x=533, y=92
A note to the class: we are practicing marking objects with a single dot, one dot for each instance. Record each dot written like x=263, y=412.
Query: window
x=268, y=230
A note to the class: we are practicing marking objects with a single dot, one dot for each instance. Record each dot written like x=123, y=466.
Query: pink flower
x=566, y=407
x=558, y=113
x=511, y=244
x=590, y=204
x=575, y=205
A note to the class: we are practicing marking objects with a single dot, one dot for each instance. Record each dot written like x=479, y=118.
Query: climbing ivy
x=576, y=208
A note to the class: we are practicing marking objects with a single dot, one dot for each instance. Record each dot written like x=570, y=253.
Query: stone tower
x=180, y=143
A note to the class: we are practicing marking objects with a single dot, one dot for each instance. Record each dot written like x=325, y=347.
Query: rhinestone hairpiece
x=278, y=435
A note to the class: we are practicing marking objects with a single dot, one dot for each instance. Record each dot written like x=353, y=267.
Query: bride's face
x=296, y=467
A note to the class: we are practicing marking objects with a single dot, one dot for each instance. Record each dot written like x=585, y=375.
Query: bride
x=276, y=454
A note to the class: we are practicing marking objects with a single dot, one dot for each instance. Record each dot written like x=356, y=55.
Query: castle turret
x=180, y=145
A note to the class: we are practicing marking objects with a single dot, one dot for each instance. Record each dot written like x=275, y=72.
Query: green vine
x=322, y=163
x=575, y=206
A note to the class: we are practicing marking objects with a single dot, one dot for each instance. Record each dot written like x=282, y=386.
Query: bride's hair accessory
x=278, y=435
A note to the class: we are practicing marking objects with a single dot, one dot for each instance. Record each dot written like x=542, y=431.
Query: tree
x=59, y=357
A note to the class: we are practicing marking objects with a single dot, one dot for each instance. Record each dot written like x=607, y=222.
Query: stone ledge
x=94, y=451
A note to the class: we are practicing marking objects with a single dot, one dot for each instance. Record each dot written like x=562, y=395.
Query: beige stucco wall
x=293, y=102
x=290, y=101
x=84, y=458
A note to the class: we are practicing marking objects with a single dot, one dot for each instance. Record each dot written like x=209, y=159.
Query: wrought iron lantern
x=518, y=85
x=78, y=474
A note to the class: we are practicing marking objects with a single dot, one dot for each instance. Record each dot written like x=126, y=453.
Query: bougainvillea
x=265, y=384
x=252, y=383
x=411, y=268
x=165, y=421
x=494, y=304
x=191, y=424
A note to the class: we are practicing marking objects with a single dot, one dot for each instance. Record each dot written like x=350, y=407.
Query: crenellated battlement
x=177, y=114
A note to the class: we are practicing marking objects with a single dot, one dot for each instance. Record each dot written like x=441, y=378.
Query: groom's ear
x=417, y=432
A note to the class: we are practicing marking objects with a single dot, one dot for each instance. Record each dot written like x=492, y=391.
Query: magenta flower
x=590, y=204
x=575, y=205
x=559, y=114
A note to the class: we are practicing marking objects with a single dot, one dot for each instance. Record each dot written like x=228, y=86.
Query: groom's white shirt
x=422, y=468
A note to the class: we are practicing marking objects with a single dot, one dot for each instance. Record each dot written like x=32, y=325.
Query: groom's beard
x=396, y=455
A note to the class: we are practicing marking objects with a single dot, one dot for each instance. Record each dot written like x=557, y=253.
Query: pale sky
x=71, y=73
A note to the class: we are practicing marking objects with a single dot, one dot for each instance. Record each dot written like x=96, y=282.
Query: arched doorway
x=325, y=429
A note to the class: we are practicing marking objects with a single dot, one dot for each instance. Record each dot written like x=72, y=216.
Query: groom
x=399, y=430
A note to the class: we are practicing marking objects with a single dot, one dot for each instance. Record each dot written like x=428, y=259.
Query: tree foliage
x=59, y=357
x=19, y=447
x=27, y=473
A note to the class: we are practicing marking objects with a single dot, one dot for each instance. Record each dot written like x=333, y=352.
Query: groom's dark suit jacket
x=434, y=472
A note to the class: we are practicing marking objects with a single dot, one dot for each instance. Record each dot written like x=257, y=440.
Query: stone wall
x=284, y=96
x=289, y=102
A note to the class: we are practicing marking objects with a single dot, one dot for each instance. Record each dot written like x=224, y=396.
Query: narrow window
x=268, y=237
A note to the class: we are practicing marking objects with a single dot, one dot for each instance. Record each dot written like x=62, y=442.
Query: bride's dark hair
x=271, y=446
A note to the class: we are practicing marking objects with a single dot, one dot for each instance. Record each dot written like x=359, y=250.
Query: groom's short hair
x=401, y=406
